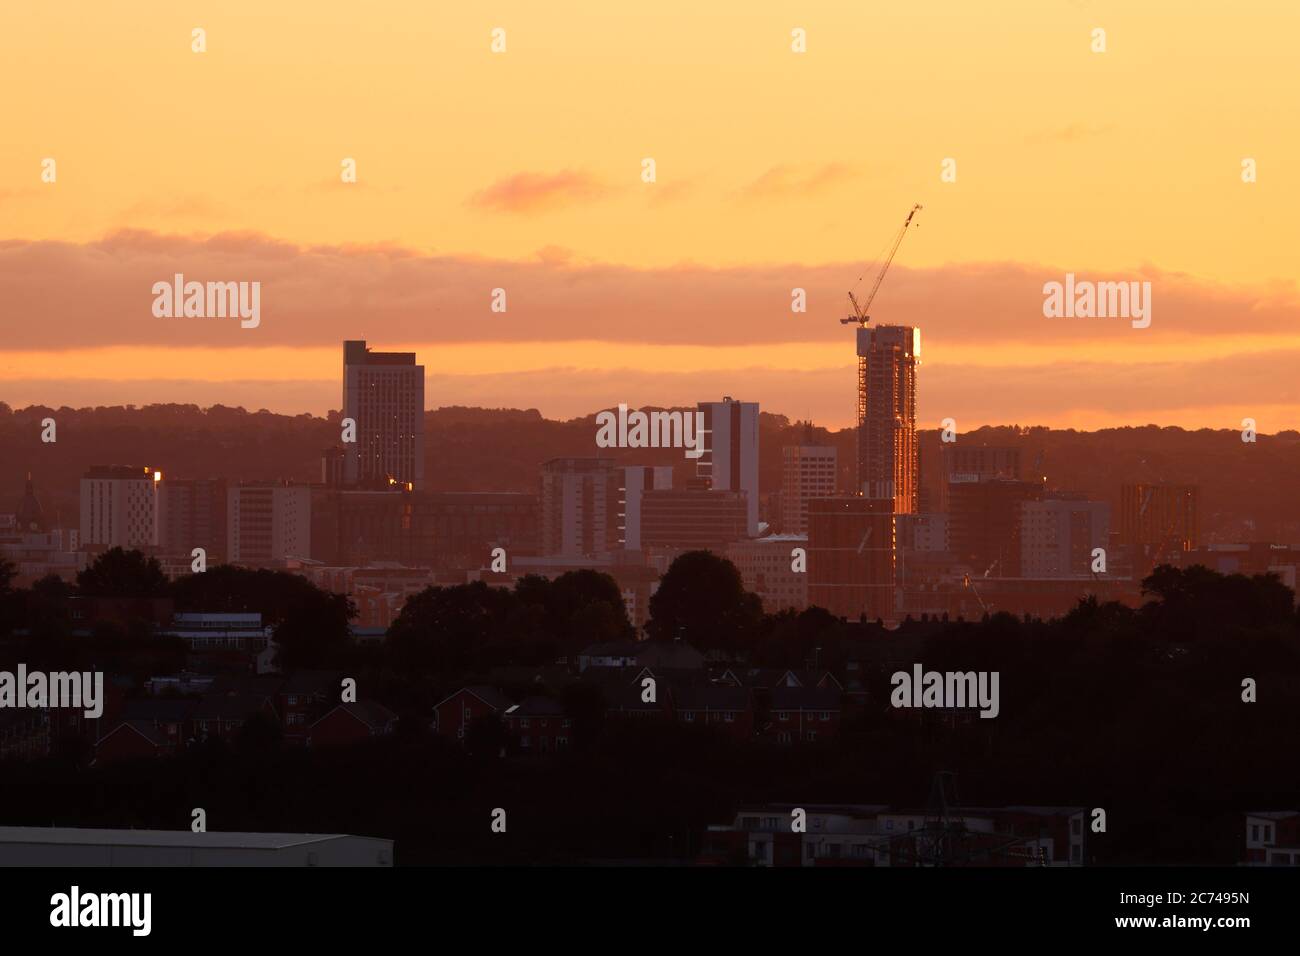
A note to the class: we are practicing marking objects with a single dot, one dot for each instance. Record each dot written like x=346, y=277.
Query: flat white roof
x=85, y=836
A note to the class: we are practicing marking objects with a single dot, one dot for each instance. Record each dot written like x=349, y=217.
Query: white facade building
x=119, y=507
x=268, y=522
x=1058, y=536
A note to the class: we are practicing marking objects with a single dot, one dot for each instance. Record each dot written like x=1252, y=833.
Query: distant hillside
x=1249, y=492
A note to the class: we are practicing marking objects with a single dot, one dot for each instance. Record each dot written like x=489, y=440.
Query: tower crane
x=860, y=315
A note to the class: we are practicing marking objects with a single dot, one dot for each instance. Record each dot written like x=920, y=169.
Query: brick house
x=223, y=715
x=539, y=725
x=303, y=698
x=1272, y=838
x=453, y=714
x=624, y=701
x=169, y=718
x=71, y=722
x=728, y=709
x=132, y=739
x=803, y=714
x=351, y=722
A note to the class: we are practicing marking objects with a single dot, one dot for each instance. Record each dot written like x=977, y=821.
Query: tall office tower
x=887, y=452
x=638, y=479
x=961, y=462
x=580, y=498
x=807, y=472
x=851, y=551
x=1058, y=535
x=730, y=459
x=1159, y=516
x=268, y=521
x=383, y=392
x=119, y=507
x=192, y=514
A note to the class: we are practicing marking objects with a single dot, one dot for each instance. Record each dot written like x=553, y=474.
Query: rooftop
x=79, y=836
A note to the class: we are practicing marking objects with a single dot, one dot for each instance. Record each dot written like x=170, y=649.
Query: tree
x=311, y=624
x=227, y=587
x=702, y=600
x=1199, y=601
x=126, y=574
x=586, y=607
x=259, y=736
x=10, y=608
x=47, y=608
x=314, y=632
x=445, y=628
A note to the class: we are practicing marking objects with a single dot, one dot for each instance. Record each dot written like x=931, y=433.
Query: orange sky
x=775, y=169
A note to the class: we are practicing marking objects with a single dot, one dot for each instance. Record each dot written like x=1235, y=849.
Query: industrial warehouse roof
x=79, y=836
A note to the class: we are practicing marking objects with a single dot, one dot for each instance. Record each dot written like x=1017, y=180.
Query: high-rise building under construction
x=887, y=449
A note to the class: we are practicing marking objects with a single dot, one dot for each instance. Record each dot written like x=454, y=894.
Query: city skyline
x=750, y=419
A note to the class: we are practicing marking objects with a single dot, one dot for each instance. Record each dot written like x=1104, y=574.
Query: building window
x=1254, y=833
x=523, y=722
x=730, y=717
x=688, y=716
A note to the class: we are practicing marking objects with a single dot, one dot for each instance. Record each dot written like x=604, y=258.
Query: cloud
x=536, y=192
x=1069, y=134
x=62, y=295
x=21, y=193
x=174, y=207
x=661, y=194
x=784, y=181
